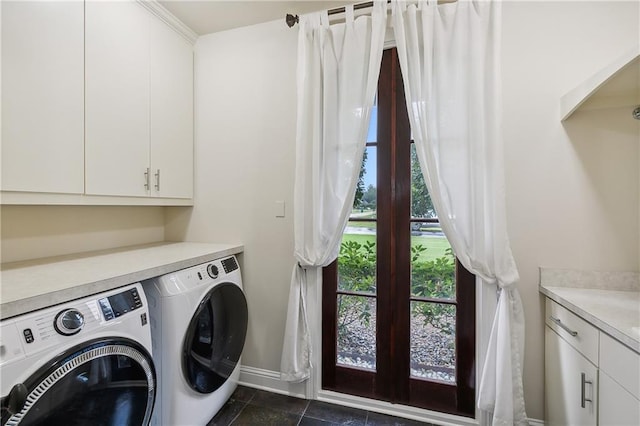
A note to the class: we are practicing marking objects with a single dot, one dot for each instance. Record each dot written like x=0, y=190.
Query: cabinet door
x=117, y=98
x=171, y=113
x=617, y=406
x=43, y=96
x=565, y=390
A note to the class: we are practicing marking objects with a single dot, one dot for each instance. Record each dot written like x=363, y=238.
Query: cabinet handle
x=584, y=382
x=146, y=179
x=562, y=326
x=157, y=175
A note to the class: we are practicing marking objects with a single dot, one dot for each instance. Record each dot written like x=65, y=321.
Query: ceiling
x=208, y=16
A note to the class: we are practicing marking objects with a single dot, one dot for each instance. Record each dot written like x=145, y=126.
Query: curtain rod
x=291, y=20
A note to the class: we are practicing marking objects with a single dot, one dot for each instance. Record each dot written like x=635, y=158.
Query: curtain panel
x=338, y=68
x=450, y=61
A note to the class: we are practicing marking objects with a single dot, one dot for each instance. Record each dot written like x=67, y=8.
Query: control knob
x=212, y=270
x=69, y=322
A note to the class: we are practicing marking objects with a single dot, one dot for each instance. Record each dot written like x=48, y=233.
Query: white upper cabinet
x=43, y=97
x=97, y=104
x=117, y=100
x=171, y=107
x=139, y=105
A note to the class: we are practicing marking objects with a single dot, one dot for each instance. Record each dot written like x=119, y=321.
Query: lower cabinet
x=619, y=384
x=590, y=378
x=617, y=406
x=571, y=382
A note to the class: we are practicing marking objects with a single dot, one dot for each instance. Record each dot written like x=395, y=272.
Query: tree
x=421, y=204
x=360, y=185
x=369, y=198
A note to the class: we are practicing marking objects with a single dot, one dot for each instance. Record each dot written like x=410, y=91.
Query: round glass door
x=105, y=382
x=215, y=338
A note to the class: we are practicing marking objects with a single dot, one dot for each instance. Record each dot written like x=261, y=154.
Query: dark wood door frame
x=391, y=381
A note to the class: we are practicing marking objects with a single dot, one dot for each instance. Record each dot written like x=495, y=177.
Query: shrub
x=430, y=279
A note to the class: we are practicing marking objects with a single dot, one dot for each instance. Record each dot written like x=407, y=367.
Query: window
x=398, y=309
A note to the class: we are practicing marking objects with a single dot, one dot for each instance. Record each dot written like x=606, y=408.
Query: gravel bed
x=432, y=351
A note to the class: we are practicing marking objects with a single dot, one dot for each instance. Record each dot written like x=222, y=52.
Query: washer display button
x=137, y=303
x=28, y=335
x=105, y=306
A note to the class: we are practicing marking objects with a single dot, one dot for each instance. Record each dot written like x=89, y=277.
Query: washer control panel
x=120, y=304
x=70, y=321
x=212, y=272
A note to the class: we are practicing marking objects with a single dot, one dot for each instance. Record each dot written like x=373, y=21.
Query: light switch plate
x=279, y=209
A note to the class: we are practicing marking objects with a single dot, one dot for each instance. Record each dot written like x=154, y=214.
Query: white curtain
x=338, y=69
x=450, y=61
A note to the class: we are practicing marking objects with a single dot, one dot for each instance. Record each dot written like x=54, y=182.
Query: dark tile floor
x=249, y=406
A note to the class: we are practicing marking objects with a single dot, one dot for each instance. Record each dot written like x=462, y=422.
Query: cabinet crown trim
x=170, y=19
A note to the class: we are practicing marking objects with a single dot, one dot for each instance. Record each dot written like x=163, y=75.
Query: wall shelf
x=615, y=85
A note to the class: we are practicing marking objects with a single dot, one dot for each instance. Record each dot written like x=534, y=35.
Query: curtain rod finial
x=292, y=20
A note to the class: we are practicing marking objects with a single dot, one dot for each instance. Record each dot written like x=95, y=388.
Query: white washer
x=85, y=362
x=198, y=326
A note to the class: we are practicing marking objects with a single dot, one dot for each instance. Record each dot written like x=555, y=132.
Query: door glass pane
x=365, y=202
x=433, y=270
x=433, y=341
x=421, y=204
x=357, y=260
x=356, y=345
x=372, y=134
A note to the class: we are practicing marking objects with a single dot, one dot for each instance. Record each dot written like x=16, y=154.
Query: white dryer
x=198, y=322
x=85, y=362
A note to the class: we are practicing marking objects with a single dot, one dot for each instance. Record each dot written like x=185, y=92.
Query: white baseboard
x=268, y=380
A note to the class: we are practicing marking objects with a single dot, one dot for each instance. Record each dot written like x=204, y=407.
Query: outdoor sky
x=370, y=168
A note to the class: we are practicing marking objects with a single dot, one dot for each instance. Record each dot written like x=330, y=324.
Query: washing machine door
x=215, y=338
x=102, y=382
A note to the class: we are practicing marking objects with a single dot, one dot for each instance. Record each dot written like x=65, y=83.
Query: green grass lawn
x=436, y=246
x=362, y=224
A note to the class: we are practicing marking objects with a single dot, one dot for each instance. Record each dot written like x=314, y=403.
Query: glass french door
x=398, y=309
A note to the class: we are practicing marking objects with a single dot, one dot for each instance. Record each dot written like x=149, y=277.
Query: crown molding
x=168, y=18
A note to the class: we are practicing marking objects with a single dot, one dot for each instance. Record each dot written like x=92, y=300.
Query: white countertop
x=35, y=284
x=613, y=310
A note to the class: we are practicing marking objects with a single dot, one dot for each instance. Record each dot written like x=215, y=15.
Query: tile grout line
x=242, y=409
x=239, y=412
x=303, y=412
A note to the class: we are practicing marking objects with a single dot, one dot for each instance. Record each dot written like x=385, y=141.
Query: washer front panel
x=101, y=382
x=30, y=340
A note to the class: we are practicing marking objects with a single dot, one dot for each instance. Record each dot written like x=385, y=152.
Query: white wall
x=572, y=192
x=31, y=232
x=245, y=147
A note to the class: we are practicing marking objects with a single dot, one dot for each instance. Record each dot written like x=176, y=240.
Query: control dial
x=69, y=322
x=212, y=270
